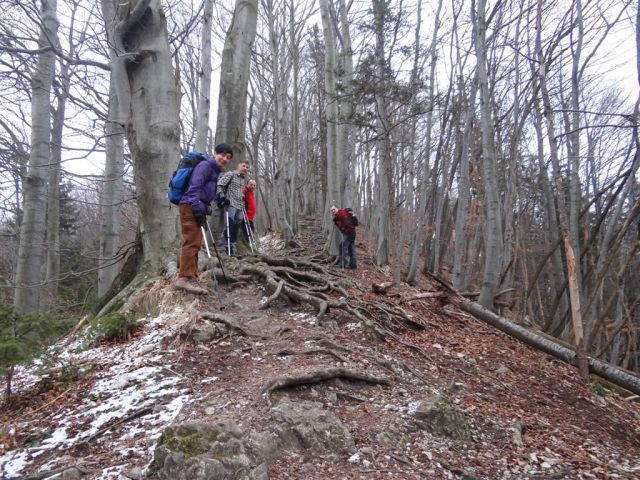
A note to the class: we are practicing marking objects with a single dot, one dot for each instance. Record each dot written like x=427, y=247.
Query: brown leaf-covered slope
x=377, y=362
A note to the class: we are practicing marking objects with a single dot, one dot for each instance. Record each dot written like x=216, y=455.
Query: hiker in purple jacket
x=194, y=206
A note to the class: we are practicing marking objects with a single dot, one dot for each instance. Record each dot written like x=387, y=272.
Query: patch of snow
x=12, y=463
x=208, y=380
x=112, y=473
x=412, y=408
x=305, y=317
x=127, y=383
x=355, y=458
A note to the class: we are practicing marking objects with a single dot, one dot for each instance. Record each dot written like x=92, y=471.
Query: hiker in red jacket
x=250, y=213
x=346, y=222
x=250, y=201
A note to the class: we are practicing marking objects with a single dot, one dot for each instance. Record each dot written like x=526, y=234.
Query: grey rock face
x=206, y=332
x=71, y=474
x=203, y=451
x=441, y=417
x=306, y=426
x=220, y=450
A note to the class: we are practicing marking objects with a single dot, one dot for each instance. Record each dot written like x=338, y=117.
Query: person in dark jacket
x=194, y=206
x=346, y=223
x=230, y=201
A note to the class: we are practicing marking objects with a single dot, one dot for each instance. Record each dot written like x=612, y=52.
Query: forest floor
x=513, y=412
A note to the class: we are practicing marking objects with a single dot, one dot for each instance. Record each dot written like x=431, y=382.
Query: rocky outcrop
x=441, y=417
x=221, y=450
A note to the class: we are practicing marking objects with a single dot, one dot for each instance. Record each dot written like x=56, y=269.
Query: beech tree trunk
x=416, y=248
x=385, y=193
x=111, y=197
x=53, y=197
x=282, y=157
x=144, y=81
x=464, y=186
x=204, y=97
x=574, y=139
x=346, y=143
x=234, y=79
x=574, y=293
x=331, y=117
x=28, y=278
x=493, y=241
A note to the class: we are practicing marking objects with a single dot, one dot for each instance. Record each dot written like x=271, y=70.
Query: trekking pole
x=215, y=249
x=342, y=260
x=248, y=229
x=226, y=221
x=213, y=273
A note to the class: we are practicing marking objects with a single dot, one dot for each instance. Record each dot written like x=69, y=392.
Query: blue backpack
x=180, y=178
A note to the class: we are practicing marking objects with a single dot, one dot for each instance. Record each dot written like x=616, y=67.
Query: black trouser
x=348, y=250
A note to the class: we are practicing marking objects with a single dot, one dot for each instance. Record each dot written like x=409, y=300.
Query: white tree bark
x=204, y=98
x=234, y=79
x=32, y=230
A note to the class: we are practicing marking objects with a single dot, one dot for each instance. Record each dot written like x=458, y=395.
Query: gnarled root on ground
x=320, y=376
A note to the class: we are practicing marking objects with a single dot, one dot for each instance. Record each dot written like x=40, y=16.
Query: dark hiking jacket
x=202, y=186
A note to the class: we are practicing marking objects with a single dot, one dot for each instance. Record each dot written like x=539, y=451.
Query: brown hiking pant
x=192, y=242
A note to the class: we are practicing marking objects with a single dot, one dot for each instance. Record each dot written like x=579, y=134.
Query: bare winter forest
x=493, y=143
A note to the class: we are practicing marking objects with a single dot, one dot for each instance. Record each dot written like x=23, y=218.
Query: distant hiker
x=230, y=199
x=346, y=222
x=194, y=205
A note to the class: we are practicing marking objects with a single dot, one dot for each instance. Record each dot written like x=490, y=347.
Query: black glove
x=222, y=202
x=207, y=209
x=201, y=219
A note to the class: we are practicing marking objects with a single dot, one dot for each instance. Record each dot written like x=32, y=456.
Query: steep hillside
x=376, y=387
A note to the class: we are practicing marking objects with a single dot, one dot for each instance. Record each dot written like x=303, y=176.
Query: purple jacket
x=202, y=186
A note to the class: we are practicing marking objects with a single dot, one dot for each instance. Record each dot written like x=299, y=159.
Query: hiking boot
x=189, y=285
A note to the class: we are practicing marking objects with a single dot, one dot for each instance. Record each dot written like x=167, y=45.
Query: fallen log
x=613, y=374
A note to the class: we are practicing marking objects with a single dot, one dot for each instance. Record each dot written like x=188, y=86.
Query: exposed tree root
x=384, y=333
x=275, y=295
x=291, y=262
x=314, y=287
x=315, y=351
x=374, y=357
x=350, y=396
x=317, y=377
x=227, y=321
